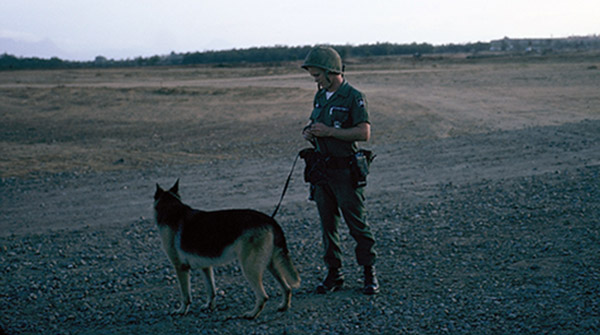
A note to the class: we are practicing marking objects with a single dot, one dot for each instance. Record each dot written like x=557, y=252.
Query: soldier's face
x=319, y=77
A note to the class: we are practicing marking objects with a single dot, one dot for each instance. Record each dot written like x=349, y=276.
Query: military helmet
x=325, y=58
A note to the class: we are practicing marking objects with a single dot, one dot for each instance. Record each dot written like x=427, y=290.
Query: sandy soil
x=484, y=196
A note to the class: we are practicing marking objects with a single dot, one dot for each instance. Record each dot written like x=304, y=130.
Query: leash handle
x=287, y=183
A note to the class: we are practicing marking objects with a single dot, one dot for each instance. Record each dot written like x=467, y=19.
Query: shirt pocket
x=340, y=117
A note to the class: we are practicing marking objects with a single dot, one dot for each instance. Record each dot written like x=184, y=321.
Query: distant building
x=100, y=60
x=546, y=44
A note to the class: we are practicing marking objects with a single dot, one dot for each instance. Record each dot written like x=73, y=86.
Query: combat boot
x=333, y=281
x=371, y=285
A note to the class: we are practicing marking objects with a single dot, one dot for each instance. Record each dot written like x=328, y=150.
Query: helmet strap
x=326, y=74
x=327, y=78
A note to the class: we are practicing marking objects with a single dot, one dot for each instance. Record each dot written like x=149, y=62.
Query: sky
x=122, y=29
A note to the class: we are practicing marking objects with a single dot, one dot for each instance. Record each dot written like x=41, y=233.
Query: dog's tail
x=282, y=261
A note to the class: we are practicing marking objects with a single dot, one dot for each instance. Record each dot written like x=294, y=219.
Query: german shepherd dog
x=198, y=239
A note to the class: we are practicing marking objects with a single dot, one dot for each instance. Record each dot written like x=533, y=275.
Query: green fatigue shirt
x=346, y=108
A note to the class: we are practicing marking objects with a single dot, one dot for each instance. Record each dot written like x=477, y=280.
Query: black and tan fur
x=199, y=239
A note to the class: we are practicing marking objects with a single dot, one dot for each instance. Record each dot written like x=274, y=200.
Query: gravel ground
x=495, y=233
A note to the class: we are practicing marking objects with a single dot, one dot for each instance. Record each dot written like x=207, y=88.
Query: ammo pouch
x=315, y=168
x=359, y=167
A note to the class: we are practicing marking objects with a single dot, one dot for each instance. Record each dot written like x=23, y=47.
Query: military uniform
x=346, y=108
x=338, y=195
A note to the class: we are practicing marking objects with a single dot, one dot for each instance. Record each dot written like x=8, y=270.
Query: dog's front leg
x=209, y=286
x=183, y=276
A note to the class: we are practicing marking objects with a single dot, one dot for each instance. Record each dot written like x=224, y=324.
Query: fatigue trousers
x=339, y=196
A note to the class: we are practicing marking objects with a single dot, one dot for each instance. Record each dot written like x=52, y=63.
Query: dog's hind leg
x=254, y=277
x=286, y=291
x=183, y=276
x=254, y=262
x=209, y=286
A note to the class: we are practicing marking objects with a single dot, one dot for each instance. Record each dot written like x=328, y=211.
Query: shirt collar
x=342, y=91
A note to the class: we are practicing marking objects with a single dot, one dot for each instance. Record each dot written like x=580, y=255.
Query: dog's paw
x=283, y=307
x=253, y=314
x=286, y=303
x=250, y=315
x=209, y=306
x=182, y=310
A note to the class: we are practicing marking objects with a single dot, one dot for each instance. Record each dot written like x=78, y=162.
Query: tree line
x=274, y=54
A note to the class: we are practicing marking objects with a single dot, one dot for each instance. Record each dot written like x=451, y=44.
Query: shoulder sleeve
x=359, y=108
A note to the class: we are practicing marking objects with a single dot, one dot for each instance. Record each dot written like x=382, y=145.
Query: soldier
x=338, y=121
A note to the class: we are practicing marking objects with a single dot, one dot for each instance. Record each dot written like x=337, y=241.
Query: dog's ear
x=175, y=188
x=159, y=192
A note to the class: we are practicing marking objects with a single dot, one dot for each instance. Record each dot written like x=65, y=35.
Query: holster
x=359, y=167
